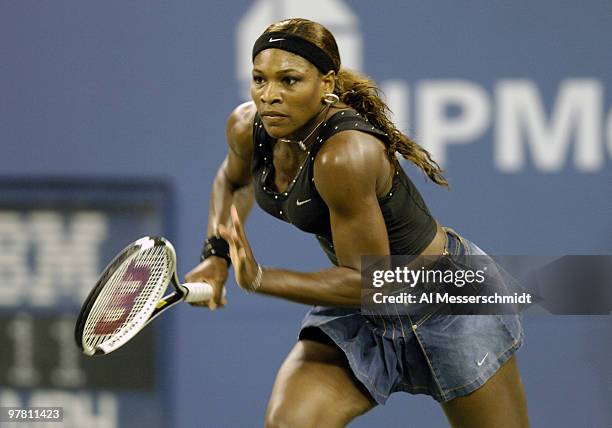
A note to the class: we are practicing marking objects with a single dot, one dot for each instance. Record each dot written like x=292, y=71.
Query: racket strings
x=128, y=297
x=115, y=313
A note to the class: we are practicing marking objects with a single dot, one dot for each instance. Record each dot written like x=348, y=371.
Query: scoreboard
x=56, y=236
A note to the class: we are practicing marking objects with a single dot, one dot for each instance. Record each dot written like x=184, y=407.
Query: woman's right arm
x=231, y=186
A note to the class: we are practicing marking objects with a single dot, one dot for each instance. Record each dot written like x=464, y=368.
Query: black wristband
x=216, y=246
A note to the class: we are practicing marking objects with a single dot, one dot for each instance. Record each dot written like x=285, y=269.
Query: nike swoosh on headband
x=274, y=40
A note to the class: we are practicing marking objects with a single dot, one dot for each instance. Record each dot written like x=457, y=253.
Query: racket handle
x=199, y=291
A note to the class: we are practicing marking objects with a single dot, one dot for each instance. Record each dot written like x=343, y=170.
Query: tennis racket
x=128, y=295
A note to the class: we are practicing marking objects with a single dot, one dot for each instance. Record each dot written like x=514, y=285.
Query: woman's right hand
x=213, y=271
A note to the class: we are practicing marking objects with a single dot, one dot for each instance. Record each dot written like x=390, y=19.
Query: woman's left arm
x=346, y=173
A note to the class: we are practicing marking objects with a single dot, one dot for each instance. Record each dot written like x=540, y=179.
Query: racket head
x=125, y=296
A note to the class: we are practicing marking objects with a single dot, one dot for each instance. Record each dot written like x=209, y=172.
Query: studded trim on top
x=340, y=121
x=406, y=216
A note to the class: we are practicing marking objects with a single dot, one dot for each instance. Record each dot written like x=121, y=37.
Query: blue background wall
x=142, y=89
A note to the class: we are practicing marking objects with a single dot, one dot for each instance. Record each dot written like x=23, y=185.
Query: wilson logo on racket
x=129, y=295
x=133, y=281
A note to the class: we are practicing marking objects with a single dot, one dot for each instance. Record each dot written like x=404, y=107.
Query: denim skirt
x=444, y=356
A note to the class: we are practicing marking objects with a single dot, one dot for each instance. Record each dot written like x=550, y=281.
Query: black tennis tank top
x=410, y=226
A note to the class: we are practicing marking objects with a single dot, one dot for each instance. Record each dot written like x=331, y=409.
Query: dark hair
x=362, y=94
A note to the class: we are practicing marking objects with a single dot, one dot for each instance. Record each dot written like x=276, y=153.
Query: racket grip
x=199, y=291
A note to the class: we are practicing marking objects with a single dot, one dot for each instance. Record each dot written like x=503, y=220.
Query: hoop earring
x=330, y=98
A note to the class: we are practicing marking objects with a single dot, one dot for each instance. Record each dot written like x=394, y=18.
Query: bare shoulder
x=353, y=154
x=239, y=129
x=350, y=163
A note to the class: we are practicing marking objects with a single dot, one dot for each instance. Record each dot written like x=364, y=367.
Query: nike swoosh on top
x=298, y=202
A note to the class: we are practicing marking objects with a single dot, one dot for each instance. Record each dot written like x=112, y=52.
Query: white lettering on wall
x=397, y=96
x=522, y=121
x=43, y=261
x=609, y=127
x=436, y=128
x=523, y=132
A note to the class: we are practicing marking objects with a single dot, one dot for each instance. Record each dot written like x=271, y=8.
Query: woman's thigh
x=315, y=387
x=499, y=403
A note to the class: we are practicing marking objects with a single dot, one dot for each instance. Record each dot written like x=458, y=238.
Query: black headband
x=297, y=45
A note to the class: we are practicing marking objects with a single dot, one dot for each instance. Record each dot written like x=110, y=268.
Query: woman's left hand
x=245, y=265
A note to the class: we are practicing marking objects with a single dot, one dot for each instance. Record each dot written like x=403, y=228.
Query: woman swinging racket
x=316, y=149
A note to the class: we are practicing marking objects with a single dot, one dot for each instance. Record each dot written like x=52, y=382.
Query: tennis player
x=316, y=148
